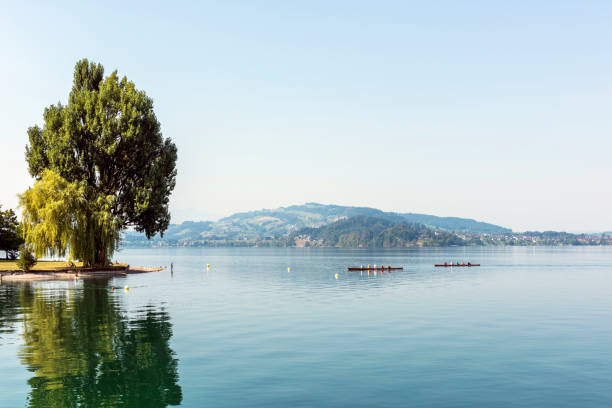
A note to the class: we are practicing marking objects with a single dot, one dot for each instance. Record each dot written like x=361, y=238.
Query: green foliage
x=60, y=216
x=107, y=145
x=10, y=233
x=372, y=232
x=26, y=259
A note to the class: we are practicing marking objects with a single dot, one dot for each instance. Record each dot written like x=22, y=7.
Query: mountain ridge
x=270, y=224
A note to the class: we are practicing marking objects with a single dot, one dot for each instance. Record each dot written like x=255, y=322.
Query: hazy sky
x=498, y=111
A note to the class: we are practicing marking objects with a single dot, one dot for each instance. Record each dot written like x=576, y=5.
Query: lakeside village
x=304, y=240
x=319, y=225
x=513, y=239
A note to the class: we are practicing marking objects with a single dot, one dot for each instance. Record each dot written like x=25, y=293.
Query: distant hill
x=284, y=220
x=456, y=224
x=188, y=230
x=373, y=232
x=281, y=222
x=287, y=219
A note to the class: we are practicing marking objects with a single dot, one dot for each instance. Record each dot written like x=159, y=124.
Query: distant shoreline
x=321, y=225
x=269, y=244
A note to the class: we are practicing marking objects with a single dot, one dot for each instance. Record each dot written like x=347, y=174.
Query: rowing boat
x=378, y=268
x=455, y=265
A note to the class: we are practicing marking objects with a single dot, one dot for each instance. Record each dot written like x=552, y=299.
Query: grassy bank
x=43, y=265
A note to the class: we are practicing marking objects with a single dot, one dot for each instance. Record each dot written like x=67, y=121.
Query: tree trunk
x=100, y=258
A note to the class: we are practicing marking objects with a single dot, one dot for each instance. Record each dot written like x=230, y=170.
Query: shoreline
x=71, y=274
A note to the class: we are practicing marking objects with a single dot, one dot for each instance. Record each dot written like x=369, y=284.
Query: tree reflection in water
x=9, y=305
x=85, y=351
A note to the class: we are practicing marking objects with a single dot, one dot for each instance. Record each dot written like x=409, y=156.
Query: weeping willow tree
x=61, y=217
x=101, y=165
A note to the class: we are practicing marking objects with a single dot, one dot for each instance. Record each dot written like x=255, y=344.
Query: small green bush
x=26, y=259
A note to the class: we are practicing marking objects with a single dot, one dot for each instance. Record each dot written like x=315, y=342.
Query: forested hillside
x=276, y=225
x=372, y=232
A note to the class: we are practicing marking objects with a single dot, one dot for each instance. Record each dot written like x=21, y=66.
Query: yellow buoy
x=207, y=266
x=288, y=269
x=336, y=276
x=127, y=287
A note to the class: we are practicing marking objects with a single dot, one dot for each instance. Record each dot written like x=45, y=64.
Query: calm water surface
x=531, y=327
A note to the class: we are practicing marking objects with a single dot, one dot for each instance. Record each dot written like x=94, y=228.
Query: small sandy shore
x=113, y=272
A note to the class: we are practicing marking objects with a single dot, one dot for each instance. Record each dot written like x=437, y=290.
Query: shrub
x=26, y=259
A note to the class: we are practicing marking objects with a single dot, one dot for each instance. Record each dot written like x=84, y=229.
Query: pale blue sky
x=499, y=111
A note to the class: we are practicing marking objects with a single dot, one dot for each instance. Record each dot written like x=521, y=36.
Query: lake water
x=531, y=327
